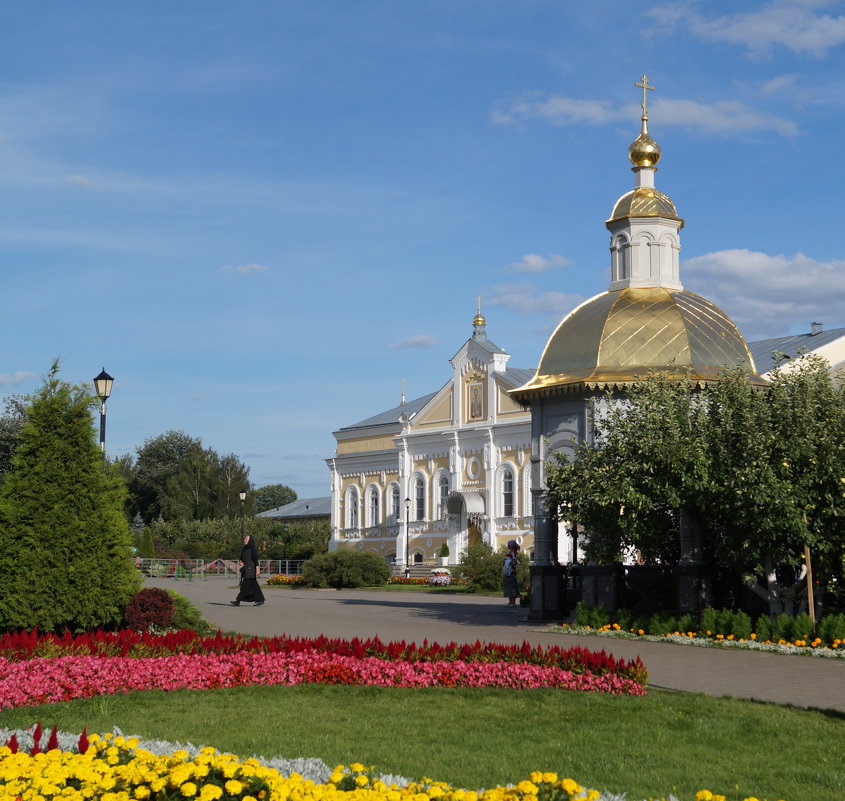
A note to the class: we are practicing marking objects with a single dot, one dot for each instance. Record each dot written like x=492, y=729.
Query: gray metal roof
x=517, y=376
x=792, y=346
x=392, y=415
x=303, y=507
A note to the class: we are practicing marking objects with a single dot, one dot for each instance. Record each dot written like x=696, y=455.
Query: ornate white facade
x=451, y=467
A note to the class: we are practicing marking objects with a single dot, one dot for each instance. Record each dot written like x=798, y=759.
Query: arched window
x=394, y=503
x=418, y=558
x=372, y=507
x=621, y=258
x=419, y=499
x=507, y=492
x=352, y=508
x=442, y=495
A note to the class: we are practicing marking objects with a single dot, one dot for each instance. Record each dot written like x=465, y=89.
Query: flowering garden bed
x=108, y=663
x=114, y=767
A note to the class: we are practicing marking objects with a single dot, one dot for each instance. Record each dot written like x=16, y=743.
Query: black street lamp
x=407, y=529
x=242, y=496
x=102, y=386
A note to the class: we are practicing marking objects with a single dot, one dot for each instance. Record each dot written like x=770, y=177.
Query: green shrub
x=686, y=623
x=346, y=568
x=709, y=621
x=782, y=630
x=624, y=618
x=146, y=549
x=482, y=567
x=582, y=614
x=763, y=628
x=832, y=627
x=741, y=628
x=662, y=623
x=186, y=615
x=444, y=550
x=803, y=627
x=724, y=622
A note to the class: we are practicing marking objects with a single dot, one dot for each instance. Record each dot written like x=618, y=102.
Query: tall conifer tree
x=65, y=545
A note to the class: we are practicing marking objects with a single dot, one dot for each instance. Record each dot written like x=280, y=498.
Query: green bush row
x=726, y=622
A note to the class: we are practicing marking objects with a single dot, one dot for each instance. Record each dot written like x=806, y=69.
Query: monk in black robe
x=250, y=591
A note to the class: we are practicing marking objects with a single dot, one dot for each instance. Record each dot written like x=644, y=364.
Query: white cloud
x=13, y=379
x=557, y=109
x=768, y=296
x=245, y=268
x=524, y=299
x=418, y=341
x=532, y=263
x=794, y=24
x=723, y=117
x=779, y=85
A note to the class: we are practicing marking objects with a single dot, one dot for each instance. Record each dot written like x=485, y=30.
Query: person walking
x=509, y=582
x=250, y=591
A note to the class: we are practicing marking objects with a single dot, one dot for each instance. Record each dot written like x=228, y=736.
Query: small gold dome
x=617, y=336
x=479, y=319
x=644, y=201
x=644, y=151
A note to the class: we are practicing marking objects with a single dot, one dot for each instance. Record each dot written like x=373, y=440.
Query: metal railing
x=200, y=569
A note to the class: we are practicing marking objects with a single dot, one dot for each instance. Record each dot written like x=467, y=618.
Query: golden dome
x=617, y=336
x=644, y=151
x=644, y=201
x=479, y=319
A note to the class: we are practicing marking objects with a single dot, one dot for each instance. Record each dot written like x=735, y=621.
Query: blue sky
x=260, y=216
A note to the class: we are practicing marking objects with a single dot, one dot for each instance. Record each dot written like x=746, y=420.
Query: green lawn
x=648, y=747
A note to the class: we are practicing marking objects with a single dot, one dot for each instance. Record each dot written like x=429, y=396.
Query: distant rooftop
x=301, y=508
x=792, y=346
x=392, y=415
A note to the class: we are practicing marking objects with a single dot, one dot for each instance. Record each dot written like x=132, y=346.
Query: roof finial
x=646, y=88
x=403, y=392
x=644, y=151
x=479, y=318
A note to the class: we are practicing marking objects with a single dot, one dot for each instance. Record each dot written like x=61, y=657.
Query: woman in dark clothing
x=250, y=591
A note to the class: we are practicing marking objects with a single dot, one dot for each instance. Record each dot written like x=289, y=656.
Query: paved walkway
x=415, y=616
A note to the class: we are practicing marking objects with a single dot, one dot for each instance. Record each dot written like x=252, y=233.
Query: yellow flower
x=234, y=787
x=356, y=767
x=188, y=789
x=210, y=792
x=704, y=795
x=361, y=781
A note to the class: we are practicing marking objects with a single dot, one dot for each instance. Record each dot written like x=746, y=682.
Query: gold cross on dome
x=479, y=304
x=644, y=85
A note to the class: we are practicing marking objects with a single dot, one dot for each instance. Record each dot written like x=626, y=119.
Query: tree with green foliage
x=220, y=538
x=11, y=425
x=176, y=478
x=761, y=471
x=65, y=552
x=482, y=567
x=272, y=496
x=158, y=461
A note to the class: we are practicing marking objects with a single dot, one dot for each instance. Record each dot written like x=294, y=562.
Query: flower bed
x=836, y=650
x=116, y=768
x=283, y=580
x=47, y=681
x=31, y=644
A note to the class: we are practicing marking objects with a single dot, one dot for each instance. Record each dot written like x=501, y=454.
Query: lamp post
x=407, y=529
x=102, y=386
x=242, y=496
